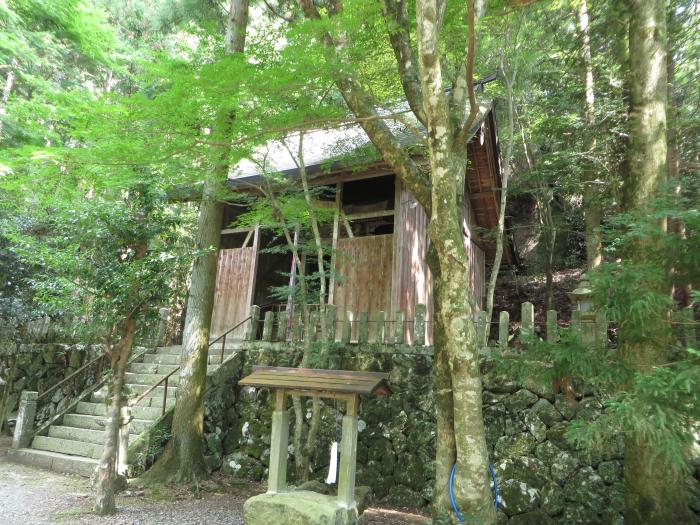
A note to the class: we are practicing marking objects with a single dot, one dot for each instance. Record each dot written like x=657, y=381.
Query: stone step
x=100, y=409
x=169, y=350
x=170, y=359
x=82, y=434
x=153, y=399
x=132, y=378
x=55, y=461
x=151, y=368
x=67, y=446
x=97, y=422
x=215, y=349
x=138, y=389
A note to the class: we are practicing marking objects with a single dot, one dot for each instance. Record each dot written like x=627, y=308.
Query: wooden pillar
x=348, y=455
x=279, y=443
x=503, y=326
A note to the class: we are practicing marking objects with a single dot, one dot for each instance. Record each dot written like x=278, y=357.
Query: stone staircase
x=74, y=443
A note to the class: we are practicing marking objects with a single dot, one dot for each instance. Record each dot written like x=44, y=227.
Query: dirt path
x=30, y=496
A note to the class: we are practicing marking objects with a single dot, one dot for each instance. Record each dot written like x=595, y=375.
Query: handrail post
x=122, y=459
x=165, y=395
x=223, y=348
x=25, y=419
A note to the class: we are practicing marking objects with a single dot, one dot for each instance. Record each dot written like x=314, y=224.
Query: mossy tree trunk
x=183, y=459
x=654, y=490
x=448, y=119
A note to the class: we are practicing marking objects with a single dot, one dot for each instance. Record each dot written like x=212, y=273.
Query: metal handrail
x=78, y=371
x=166, y=377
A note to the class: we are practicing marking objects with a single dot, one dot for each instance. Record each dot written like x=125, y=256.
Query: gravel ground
x=30, y=496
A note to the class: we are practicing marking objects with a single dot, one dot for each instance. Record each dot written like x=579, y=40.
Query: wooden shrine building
x=379, y=233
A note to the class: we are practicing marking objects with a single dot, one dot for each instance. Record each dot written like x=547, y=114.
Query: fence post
x=481, y=327
x=552, y=332
x=527, y=320
x=329, y=336
x=25, y=419
x=252, y=331
x=347, y=328
x=419, y=325
x=363, y=333
x=281, y=326
x=503, y=324
x=380, y=332
x=297, y=325
x=601, y=325
x=398, y=328
x=267, y=326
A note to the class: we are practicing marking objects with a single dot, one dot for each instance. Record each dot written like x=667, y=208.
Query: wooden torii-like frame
x=311, y=382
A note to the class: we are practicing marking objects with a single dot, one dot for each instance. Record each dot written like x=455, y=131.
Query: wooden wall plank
x=365, y=264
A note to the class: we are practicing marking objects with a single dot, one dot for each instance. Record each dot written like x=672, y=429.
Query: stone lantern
x=582, y=314
x=582, y=297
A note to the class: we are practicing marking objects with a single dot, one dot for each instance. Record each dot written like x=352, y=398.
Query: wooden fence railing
x=325, y=326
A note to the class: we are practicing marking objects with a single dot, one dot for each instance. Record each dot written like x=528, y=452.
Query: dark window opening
x=236, y=240
x=274, y=266
x=368, y=195
x=367, y=227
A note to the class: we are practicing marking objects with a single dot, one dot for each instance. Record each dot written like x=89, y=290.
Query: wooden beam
x=369, y=215
x=227, y=231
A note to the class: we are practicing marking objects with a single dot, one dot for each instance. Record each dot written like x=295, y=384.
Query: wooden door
x=234, y=279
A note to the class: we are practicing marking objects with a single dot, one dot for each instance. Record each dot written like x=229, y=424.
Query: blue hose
x=452, y=497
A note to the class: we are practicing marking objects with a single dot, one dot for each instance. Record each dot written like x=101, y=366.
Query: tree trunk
x=591, y=195
x=507, y=169
x=654, y=492
x=453, y=301
x=106, y=470
x=461, y=431
x=183, y=460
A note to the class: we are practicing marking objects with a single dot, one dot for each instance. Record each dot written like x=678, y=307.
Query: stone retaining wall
x=38, y=366
x=542, y=479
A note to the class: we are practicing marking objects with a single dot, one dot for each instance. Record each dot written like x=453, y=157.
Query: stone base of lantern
x=303, y=507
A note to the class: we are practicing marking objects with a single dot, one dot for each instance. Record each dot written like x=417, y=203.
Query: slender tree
x=654, y=491
x=592, y=209
x=183, y=460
